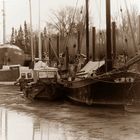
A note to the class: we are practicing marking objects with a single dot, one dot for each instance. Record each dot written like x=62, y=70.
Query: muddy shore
x=62, y=120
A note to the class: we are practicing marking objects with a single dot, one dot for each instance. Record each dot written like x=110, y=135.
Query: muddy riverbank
x=42, y=120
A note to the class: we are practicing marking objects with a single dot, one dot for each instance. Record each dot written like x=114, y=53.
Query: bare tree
x=127, y=29
x=65, y=20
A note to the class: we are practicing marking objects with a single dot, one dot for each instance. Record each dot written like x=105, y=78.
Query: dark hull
x=9, y=75
x=105, y=90
x=46, y=90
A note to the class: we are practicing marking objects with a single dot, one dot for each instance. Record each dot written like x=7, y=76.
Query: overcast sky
x=17, y=11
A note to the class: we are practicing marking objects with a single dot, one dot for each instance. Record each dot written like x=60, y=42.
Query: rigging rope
x=133, y=38
x=66, y=42
x=82, y=30
x=100, y=32
x=110, y=75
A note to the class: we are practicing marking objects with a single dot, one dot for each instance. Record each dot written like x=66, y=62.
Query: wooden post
x=78, y=42
x=67, y=58
x=49, y=51
x=93, y=42
x=108, y=38
x=114, y=39
x=58, y=48
x=139, y=30
x=87, y=30
x=34, y=46
x=44, y=45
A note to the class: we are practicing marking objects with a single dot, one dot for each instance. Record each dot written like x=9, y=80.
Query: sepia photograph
x=69, y=70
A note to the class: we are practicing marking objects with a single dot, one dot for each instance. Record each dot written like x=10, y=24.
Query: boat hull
x=46, y=90
x=9, y=75
x=105, y=90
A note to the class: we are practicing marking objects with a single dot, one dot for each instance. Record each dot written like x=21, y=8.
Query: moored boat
x=11, y=64
x=10, y=74
x=104, y=84
x=45, y=84
x=117, y=87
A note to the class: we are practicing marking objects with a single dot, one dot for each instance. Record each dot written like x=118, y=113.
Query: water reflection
x=3, y=125
x=68, y=123
x=19, y=126
x=15, y=126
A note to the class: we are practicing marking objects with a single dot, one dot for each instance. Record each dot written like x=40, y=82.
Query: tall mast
x=87, y=29
x=108, y=38
x=39, y=34
x=31, y=32
x=4, y=29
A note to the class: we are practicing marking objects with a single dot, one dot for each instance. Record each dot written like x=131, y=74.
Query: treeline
x=68, y=24
x=22, y=38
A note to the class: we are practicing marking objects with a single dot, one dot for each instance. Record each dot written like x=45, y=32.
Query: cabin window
x=29, y=75
x=14, y=68
x=23, y=75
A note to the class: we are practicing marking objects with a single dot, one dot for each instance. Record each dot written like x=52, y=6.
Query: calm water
x=24, y=120
x=66, y=123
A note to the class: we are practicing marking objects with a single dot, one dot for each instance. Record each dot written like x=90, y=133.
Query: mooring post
x=87, y=30
x=93, y=42
x=58, y=48
x=67, y=58
x=49, y=51
x=114, y=39
x=139, y=31
x=78, y=42
x=108, y=38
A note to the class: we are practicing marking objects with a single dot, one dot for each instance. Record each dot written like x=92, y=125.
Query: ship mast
x=39, y=34
x=4, y=29
x=108, y=38
x=87, y=29
x=31, y=32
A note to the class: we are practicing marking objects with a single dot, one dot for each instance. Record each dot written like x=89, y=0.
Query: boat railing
x=46, y=74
